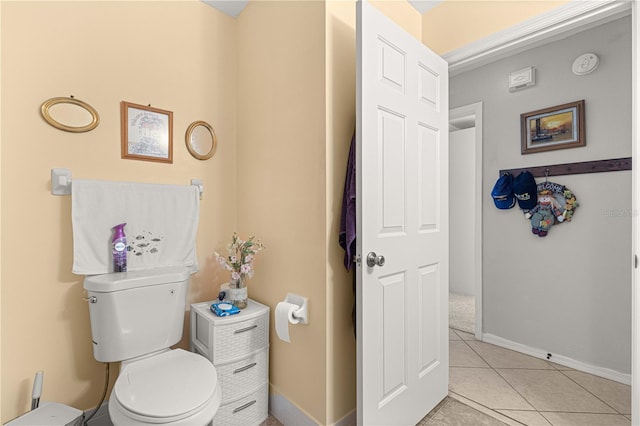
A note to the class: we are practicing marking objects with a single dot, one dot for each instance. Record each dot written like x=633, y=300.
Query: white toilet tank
x=136, y=313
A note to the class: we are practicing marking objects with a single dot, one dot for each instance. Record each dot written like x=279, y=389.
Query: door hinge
x=635, y=261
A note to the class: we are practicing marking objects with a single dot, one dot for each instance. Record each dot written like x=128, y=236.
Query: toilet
x=135, y=317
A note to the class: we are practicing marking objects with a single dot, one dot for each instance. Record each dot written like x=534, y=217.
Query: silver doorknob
x=373, y=259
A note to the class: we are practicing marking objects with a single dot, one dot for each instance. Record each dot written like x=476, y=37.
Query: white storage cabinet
x=238, y=346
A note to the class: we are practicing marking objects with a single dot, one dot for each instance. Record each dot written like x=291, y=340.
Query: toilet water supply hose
x=104, y=394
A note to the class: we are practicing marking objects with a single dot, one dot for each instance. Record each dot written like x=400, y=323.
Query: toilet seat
x=166, y=388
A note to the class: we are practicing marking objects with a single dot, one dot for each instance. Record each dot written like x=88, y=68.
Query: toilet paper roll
x=284, y=316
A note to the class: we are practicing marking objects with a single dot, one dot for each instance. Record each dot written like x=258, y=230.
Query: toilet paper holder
x=301, y=314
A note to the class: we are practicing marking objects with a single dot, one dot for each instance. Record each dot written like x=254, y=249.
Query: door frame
x=474, y=111
x=635, y=224
x=565, y=20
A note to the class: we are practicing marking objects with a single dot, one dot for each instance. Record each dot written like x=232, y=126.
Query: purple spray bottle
x=119, y=248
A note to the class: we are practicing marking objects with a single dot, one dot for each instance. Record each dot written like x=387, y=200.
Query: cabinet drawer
x=235, y=340
x=239, y=377
x=250, y=410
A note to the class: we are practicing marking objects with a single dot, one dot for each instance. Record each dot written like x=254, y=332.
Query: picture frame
x=147, y=133
x=549, y=129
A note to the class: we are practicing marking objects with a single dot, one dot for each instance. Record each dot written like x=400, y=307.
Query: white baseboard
x=288, y=413
x=558, y=359
x=349, y=420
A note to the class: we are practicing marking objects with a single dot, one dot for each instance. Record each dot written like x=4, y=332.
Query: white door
x=402, y=188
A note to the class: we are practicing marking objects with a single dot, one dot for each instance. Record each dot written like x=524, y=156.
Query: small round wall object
x=585, y=64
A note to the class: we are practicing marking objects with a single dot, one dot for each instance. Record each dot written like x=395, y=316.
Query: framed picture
x=558, y=127
x=147, y=133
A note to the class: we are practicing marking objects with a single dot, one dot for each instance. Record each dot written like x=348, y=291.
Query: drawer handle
x=246, y=367
x=242, y=330
x=245, y=406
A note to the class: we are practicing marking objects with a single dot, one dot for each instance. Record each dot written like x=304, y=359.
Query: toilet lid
x=171, y=385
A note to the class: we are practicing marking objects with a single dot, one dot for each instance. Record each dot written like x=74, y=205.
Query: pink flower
x=240, y=258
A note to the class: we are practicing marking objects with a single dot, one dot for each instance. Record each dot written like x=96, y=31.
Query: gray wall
x=568, y=293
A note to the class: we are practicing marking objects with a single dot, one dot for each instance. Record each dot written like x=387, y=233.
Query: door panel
x=428, y=180
x=392, y=184
x=430, y=318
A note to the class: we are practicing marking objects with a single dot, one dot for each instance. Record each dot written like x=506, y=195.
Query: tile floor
x=489, y=385
x=271, y=421
x=451, y=412
x=493, y=386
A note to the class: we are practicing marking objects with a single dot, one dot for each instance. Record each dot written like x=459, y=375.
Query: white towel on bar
x=162, y=222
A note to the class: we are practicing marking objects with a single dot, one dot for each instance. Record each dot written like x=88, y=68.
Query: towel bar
x=61, y=182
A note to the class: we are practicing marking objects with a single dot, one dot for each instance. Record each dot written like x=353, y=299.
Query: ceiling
x=230, y=7
x=423, y=5
x=234, y=7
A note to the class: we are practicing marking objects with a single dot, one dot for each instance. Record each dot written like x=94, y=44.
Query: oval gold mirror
x=70, y=115
x=201, y=140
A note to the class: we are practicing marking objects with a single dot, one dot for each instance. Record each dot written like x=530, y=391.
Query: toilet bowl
x=173, y=387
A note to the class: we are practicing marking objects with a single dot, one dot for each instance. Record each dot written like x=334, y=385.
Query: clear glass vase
x=238, y=293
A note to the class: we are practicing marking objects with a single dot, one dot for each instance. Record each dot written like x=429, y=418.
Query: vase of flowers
x=239, y=262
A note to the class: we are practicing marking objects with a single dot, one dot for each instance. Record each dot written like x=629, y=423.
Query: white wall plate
x=522, y=78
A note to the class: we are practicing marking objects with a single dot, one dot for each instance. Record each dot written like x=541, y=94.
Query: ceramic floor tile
x=455, y=413
x=613, y=393
x=271, y=421
x=461, y=355
x=584, y=419
x=437, y=408
x=483, y=409
x=498, y=357
x=453, y=335
x=465, y=336
x=551, y=390
x=486, y=387
x=560, y=367
x=529, y=418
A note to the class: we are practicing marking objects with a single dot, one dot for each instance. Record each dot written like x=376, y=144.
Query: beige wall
x=281, y=182
x=179, y=56
x=341, y=119
x=455, y=23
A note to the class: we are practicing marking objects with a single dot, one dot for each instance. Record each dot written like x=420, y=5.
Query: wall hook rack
x=599, y=166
